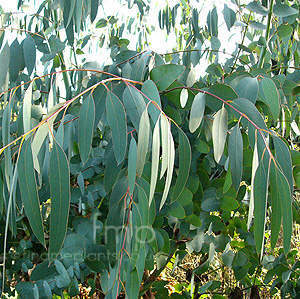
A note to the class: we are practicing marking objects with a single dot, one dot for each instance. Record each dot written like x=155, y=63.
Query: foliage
x=111, y=174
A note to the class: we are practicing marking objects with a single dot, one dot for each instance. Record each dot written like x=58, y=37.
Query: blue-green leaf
x=149, y=90
x=28, y=188
x=86, y=128
x=164, y=75
x=132, y=157
x=212, y=22
x=283, y=157
x=284, y=10
x=29, y=53
x=134, y=105
x=60, y=199
x=260, y=189
x=197, y=112
x=281, y=195
x=15, y=60
x=117, y=121
x=229, y=16
x=185, y=155
x=235, y=152
x=257, y=7
x=4, y=64
x=248, y=88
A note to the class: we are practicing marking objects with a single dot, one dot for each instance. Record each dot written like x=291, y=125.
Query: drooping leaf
x=134, y=105
x=28, y=188
x=235, y=152
x=86, y=128
x=284, y=30
x=284, y=10
x=117, y=121
x=281, y=199
x=164, y=75
x=197, y=112
x=165, y=128
x=15, y=60
x=170, y=167
x=257, y=7
x=132, y=284
x=60, y=199
x=41, y=134
x=229, y=16
x=269, y=95
x=248, y=88
x=283, y=157
x=183, y=97
x=219, y=133
x=191, y=78
x=255, y=163
x=260, y=189
x=149, y=89
x=143, y=142
x=94, y=9
x=4, y=64
x=29, y=50
x=212, y=22
x=155, y=160
x=27, y=109
x=132, y=158
x=185, y=155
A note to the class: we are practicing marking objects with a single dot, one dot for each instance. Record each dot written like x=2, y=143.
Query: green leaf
x=101, y=23
x=183, y=97
x=155, y=160
x=284, y=30
x=143, y=142
x=132, y=158
x=284, y=10
x=117, y=121
x=149, y=90
x=219, y=133
x=94, y=9
x=60, y=199
x=260, y=189
x=132, y=284
x=4, y=64
x=78, y=15
x=281, y=195
x=235, y=152
x=229, y=16
x=164, y=75
x=185, y=156
x=269, y=95
x=248, y=88
x=227, y=203
x=134, y=105
x=29, y=50
x=197, y=112
x=27, y=109
x=257, y=25
x=15, y=60
x=212, y=22
x=176, y=210
x=257, y=7
x=86, y=128
x=28, y=188
x=283, y=157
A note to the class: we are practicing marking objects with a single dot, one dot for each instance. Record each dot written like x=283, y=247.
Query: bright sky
x=158, y=41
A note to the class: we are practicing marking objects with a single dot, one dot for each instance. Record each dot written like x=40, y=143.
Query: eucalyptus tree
x=112, y=173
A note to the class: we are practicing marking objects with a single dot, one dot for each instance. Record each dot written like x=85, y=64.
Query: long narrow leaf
x=86, y=128
x=185, y=155
x=165, y=127
x=219, y=133
x=132, y=157
x=261, y=182
x=281, y=194
x=60, y=199
x=197, y=112
x=143, y=142
x=27, y=109
x=28, y=188
x=117, y=122
x=255, y=163
x=155, y=160
x=235, y=151
x=171, y=158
